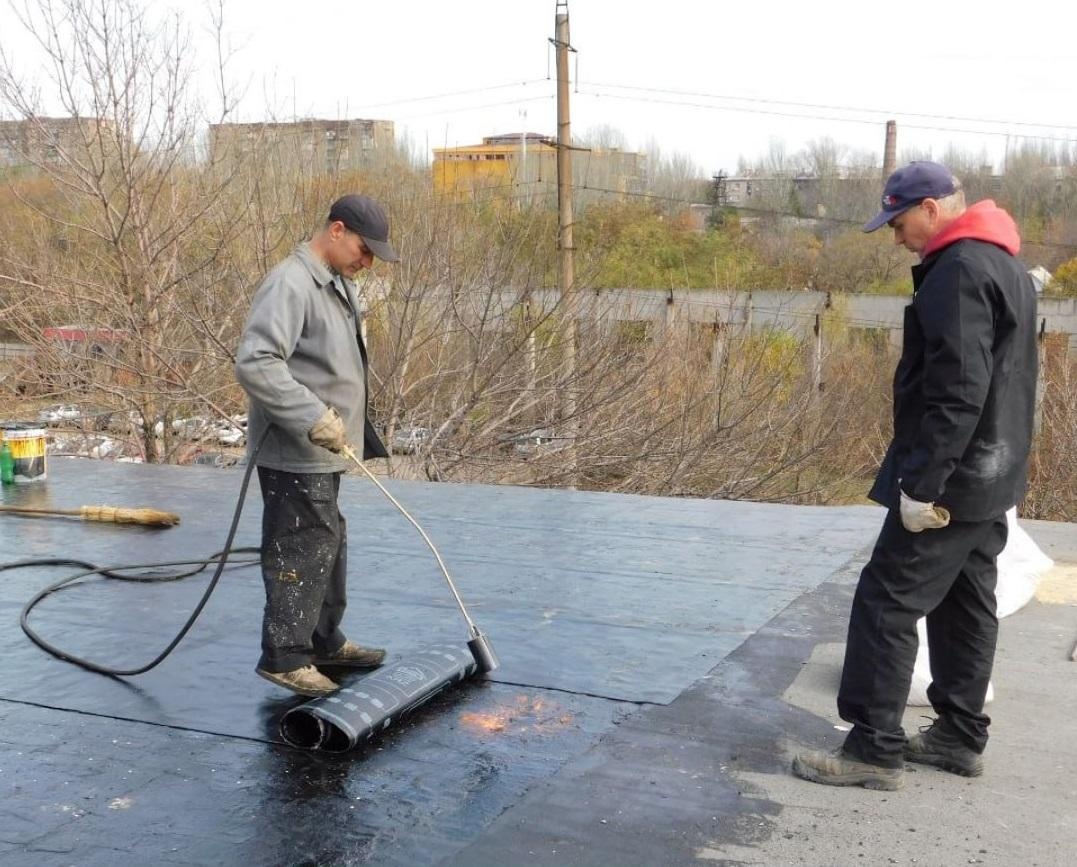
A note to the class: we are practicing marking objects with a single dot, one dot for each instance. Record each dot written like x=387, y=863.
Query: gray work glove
x=328, y=432
x=917, y=517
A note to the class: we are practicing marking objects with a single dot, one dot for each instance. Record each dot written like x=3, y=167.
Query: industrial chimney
x=890, y=151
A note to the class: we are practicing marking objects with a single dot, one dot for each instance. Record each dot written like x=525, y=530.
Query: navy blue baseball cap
x=367, y=219
x=909, y=186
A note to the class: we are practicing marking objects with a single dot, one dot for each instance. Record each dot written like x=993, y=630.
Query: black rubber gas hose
x=118, y=573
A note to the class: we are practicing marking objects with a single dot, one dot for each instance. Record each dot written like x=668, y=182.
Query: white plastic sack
x=1021, y=565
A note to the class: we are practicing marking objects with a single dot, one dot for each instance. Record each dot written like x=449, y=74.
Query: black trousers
x=949, y=575
x=304, y=567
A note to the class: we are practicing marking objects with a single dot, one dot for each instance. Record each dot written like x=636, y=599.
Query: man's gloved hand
x=917, y=516
x=328, y=432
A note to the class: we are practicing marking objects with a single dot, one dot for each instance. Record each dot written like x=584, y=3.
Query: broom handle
x=27, y=510
x=105, y=514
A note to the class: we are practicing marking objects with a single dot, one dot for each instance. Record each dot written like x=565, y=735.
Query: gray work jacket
x=302, y=352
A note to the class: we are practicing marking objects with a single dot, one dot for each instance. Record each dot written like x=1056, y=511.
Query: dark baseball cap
x=909, y=186
x=367, y=219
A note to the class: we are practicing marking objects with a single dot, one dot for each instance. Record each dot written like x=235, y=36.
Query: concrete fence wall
x=795, y=312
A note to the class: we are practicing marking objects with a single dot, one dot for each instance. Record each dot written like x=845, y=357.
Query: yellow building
x=523, y=167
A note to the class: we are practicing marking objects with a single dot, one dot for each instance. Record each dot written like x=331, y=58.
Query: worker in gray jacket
x=303, y=364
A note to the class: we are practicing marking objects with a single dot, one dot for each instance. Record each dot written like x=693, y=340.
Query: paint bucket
x=27, y=443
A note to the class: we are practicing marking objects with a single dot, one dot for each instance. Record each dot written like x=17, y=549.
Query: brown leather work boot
x=304, y=681
x=937, y=745
x=840, y=769
x=353, y=655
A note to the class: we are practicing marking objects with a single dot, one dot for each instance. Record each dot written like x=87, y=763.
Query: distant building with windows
x=309, y=146
x=739, y=191
x=523, y=167
x=34, y=144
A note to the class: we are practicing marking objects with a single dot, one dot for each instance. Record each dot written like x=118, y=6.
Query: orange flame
x=488, y=722
x=524, y=714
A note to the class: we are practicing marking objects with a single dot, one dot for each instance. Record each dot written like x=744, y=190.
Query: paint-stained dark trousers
x=949, y=575
x=304, y=567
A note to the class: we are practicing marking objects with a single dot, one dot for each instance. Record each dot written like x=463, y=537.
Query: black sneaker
x=943, y=749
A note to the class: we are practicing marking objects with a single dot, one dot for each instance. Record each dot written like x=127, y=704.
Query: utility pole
x=564, y=231
x=719, y=199
x=521, y=175
x=817, y=355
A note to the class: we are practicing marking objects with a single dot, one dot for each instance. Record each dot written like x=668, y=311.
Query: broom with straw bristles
x=104, y=514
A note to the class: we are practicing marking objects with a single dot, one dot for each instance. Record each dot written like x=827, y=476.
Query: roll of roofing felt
x=354, y=714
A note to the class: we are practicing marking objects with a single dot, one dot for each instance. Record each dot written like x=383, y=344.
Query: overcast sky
x=712, y=80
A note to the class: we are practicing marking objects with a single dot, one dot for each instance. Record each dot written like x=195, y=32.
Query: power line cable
x=830, y=107
x=454, y=93
x=462, y=109
x=828, y=118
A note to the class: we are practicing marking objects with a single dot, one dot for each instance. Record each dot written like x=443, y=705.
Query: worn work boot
x=840, y=769
x=353, y=655
x=943, y=749
x=304, y=681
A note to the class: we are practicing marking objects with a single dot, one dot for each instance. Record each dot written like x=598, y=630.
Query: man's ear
x=931, y=207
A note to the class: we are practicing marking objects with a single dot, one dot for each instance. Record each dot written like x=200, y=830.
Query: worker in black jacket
x=964, y=396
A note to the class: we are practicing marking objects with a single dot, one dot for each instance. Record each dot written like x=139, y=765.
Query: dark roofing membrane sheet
x=99, y=792
x=595, y=603
x=611, y=596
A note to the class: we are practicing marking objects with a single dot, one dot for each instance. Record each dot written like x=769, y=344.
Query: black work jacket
x=965, y=388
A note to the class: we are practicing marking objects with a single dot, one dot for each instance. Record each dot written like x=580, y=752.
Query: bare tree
x=674, y=179
x=1052, y=493
x=120, y=234
x=853, y=261
x=604, y=137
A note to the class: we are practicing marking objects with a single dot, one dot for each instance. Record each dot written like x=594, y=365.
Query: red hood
x=984, y=221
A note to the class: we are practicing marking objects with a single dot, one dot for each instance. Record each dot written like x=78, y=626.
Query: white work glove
x=917, y=517
x=328, y=432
